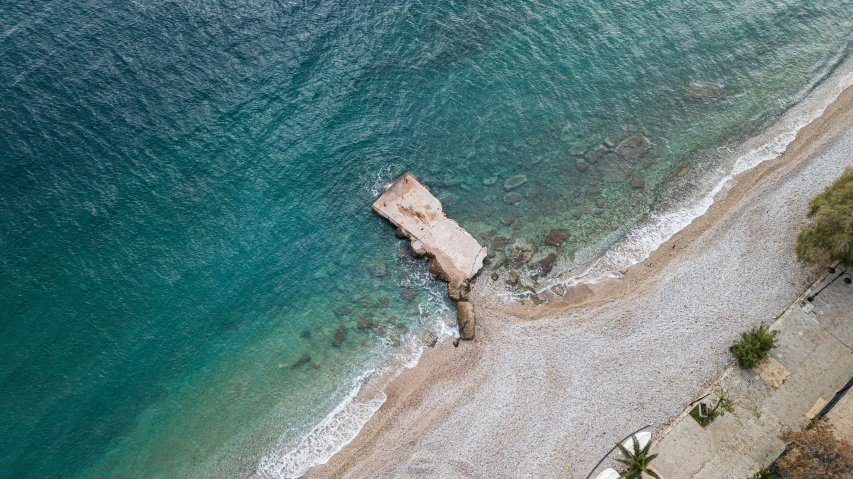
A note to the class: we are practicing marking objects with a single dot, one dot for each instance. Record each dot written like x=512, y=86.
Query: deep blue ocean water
x=185, y=187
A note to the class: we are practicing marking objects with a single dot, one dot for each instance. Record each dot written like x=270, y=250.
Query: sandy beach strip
x=545, y=392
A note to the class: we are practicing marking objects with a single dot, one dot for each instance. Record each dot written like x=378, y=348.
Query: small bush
x=829, y=235
x=754, y=346
x=763, y=473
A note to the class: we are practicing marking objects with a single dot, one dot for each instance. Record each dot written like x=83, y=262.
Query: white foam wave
x=661, y=225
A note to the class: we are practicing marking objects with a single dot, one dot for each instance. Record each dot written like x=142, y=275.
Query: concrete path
x=816, y=347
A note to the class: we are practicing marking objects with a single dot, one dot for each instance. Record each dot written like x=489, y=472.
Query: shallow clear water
x=185, y=191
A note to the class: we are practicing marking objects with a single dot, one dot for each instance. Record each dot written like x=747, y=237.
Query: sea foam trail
x=661, y=225
x=365, y=397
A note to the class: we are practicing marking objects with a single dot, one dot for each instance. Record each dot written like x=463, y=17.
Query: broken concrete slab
x=410, y=206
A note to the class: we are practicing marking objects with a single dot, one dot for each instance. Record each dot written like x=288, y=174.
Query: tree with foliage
x=754, y=346
x=637, y=460
x=723, y=405
x=829, y=236
x=815, y=453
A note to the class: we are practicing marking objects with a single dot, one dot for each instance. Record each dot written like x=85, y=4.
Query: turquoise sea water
x=191, y=276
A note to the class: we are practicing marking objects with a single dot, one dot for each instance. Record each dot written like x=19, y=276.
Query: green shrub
x=763, y=473
x=754, y=346
x=829, y=236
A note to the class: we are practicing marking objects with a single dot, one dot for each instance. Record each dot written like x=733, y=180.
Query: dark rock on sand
x=340, y=336
x=466, y=320
x=302, y=361
x=546, y=264
x=495, y=276
x=592, y=190
x=637, y=182
x=683, y=169
x=634, y=147
x=557, y=236
x=305, y=334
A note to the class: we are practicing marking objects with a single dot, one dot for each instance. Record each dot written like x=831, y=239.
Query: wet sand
x=545, y=391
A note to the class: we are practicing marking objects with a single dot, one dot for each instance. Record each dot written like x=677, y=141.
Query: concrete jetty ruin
x=454, y=255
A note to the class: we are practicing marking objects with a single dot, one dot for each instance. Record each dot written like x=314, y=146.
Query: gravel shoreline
x=545, y=392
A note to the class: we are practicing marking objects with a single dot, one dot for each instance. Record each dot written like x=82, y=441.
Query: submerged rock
x=499, y=242
x=515, y=182
x=596, y=154
x=577, y=149
x=364, y=323
x=340, y=336
x=582, y=165
x=509, y=218
x=302, y=361
x=429, y=338
x=613, y=169
x=637, y=182
x=409, y=294
x=633, y=148
x=465, y=320
x=704, y=90
x=305, y=334
x=512, y=198
x=557, y=236
x=546, y=264
x=490, y=180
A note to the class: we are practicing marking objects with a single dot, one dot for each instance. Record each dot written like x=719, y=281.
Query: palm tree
x=637, y=461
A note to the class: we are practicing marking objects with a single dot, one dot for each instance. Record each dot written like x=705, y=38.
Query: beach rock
x=512, y=198
x=637, y=182
x=633, y=148
x=582, y=165
x=522, y=256
x=510, y=218
x=557, y=236
x=515, y=182
x=683, y=169
x=499, y=242
x=546, y=264
x=704, y=90
x=457, y=294
x=514, y=277
x=490, y=180
x=417, y=249
x=302, y=361
x=559, y=290
x=340, y=336
x=409, y=294
x=596, y=154
x=613, y=169
x=429, y=338
x=465, y=320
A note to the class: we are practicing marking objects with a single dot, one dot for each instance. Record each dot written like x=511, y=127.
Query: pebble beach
x=545, y=391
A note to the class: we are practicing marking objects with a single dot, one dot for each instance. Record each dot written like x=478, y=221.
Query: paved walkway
x=816, y=347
